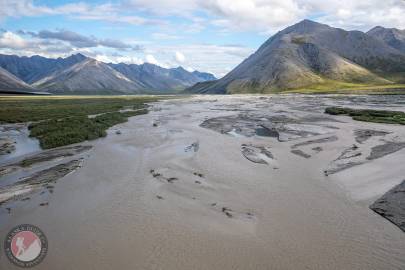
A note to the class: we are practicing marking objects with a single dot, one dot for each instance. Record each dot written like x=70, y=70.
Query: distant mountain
x=204, y=76
x=34, y=68
x=81, y=74
x=310, y=55
x=8, y=82
x=158, y=79
x=89, y=76
x=392, y=36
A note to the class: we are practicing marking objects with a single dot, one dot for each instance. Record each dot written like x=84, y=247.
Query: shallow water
x=223, y=211
x=24, y=144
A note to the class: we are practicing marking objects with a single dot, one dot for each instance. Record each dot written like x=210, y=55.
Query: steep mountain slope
x=310, y=54
x=34, y=68
x=8, y=82
x=89, y=76
x=392, y=36
x=156, y=78
x=42, y=73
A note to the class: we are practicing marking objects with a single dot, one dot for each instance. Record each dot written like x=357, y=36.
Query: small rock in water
x=317, y=149
x=300, y=153
x=44, y=204
x=118, y=132
x=227, y=212
x=155, y=174
x=198, y=174
x=159, y=197
x=172, y=179
x=194, y=146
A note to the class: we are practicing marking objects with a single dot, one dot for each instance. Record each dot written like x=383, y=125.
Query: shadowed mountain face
x=392, y=36
x=88, y=76
x=34, y=68
x=9, y=82
x=80, y=74
x=310, y=54
x=156, y=78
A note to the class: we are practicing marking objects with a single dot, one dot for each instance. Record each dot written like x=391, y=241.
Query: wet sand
x=198, y=184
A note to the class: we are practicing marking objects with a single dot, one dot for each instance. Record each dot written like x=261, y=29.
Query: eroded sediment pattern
x=215, y=182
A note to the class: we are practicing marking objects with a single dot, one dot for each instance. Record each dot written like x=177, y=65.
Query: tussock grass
x=59, y=121
x=375, y=116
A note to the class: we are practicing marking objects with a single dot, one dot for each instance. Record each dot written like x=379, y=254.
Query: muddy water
x=19, y=135
x=176, y=195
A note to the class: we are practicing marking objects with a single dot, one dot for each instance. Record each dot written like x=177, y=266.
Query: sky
x=206, y=35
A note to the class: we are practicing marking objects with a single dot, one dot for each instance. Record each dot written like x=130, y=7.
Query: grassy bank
x=348, y=88
x=376, y=116
x=35, y=108
x=59, y=121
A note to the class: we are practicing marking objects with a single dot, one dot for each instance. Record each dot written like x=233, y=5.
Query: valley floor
x=218, y=182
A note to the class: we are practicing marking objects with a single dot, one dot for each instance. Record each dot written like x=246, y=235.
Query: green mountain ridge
x=310, y=55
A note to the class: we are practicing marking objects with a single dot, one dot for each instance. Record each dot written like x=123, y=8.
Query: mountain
x=8, y=82
x=158, y=79
x=80, y=74
x=89, y=76
x=310, y=55
x=392, y=36
x=204, y=76
x=34, y=68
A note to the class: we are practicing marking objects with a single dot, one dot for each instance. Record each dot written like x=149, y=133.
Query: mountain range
x=9, y=82
x=310, y=55
x=78, y=74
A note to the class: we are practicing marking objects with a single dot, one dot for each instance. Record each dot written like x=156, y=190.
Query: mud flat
x=210, y=182
x=382, y=150
x=6, y=146
x=392, y=206
x=37, y=181
x=258, y=154
x=43, y=156
x=363, y=135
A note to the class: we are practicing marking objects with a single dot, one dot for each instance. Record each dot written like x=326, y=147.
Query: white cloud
x=16, y=8
x=272, y=15
x=217, y=59
x=151, y=59
x=164, y=36
x=180, y=58
x=13, y=41
x=234, y=15
x=363, y=15
x=203, y=57
x=189, y=69
x=164, y=7
x=102, y=12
